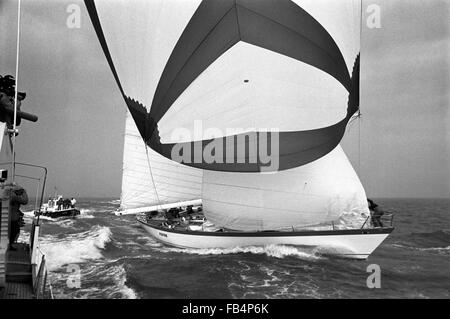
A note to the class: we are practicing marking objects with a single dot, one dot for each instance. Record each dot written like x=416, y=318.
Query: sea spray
x=75, y=248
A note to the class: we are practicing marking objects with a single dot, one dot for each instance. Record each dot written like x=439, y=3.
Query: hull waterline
x=355, y=243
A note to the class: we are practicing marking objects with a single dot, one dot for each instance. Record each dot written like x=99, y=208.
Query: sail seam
x=163, y=97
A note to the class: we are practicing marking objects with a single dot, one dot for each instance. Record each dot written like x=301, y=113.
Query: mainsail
x=252, y=66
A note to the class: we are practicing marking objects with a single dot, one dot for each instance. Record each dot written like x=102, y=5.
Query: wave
x=84, y=213
x=435, y=240
x=277, y=251
x=75, y=248
x=102, y=275
x=438, y=249
x=258, y=280
x=120, y=278
x=97, y=280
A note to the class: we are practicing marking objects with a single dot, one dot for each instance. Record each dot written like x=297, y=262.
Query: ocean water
x=114, y=258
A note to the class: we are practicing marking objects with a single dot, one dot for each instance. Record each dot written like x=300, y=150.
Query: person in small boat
x=375, y=213
x=66, y=203
x=18, y=196
x=73, y=201
x=59, y=203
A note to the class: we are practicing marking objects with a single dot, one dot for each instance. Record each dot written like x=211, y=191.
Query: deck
x=18, y=274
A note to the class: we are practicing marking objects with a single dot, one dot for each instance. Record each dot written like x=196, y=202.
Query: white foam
x=277, y=251
x=84, y=213
x=75, y=248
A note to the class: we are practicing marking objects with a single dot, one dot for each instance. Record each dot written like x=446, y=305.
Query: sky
x=399, y=148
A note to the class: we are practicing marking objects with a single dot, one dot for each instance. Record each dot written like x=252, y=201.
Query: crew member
x=18, y=196
x=375, y=213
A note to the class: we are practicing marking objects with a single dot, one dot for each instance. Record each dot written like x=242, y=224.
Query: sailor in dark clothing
x=375, y=213
x=7, y=97
x=59, y=202
x=66, y=203
x=18, y=196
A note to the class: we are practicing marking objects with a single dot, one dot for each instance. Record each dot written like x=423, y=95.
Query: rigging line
x=13, y=164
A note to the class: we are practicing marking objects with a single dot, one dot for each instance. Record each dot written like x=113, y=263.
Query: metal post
x=15, y=95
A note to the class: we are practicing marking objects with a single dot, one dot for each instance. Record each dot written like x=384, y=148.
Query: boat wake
x=276, y=251
x=75, y=248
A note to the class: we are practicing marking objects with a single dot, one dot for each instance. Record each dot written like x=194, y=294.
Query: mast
x=13, y=163
x=360, y=86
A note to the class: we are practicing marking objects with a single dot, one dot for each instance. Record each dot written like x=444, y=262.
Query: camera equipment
x=3, y=175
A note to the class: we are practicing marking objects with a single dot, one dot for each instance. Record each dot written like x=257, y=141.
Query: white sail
x=281, y=92
x=149, y=179
x=141, y=35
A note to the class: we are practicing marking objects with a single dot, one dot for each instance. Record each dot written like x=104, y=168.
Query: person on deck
x=375, y=213
x=18, y=196
x=73, y=202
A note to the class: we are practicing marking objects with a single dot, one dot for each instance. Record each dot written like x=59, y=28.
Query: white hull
x=358, y=244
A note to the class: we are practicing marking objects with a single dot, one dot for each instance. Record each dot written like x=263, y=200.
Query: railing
x=383, y=221
x=379, y=222
x=38, y=261
x=39, y=195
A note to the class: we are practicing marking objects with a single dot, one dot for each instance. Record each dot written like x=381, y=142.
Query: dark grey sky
x=405, y=129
